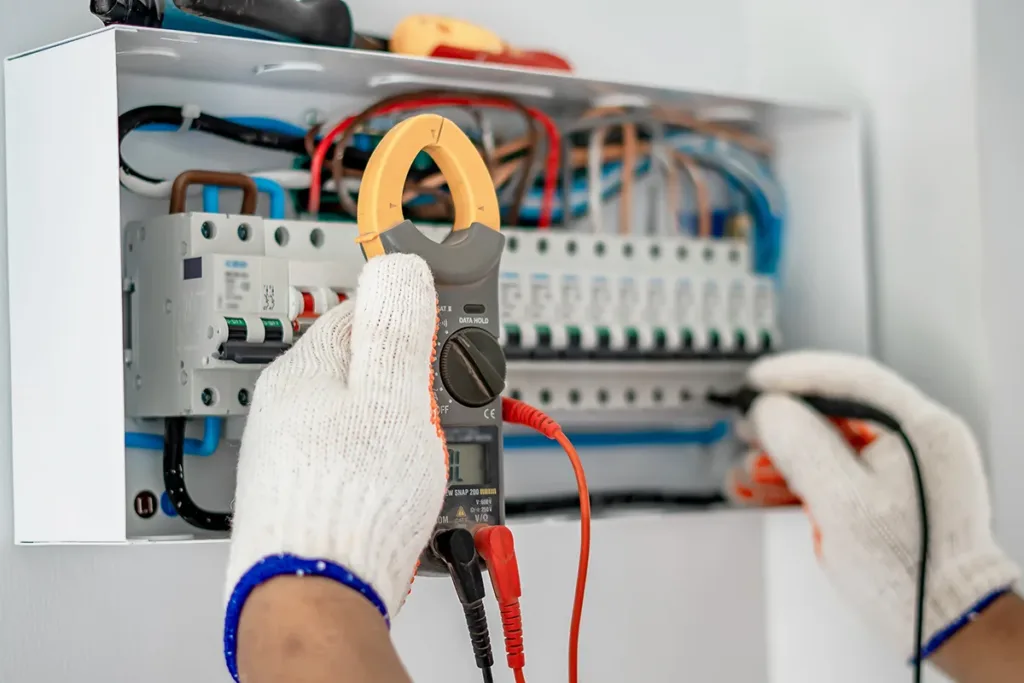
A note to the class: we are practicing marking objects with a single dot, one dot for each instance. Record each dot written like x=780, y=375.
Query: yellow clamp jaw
x=383, y=183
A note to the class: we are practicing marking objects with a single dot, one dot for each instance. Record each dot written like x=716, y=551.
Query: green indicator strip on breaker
x=273, y=330
x=237, y=329
x=575, y=337
x=660, y=339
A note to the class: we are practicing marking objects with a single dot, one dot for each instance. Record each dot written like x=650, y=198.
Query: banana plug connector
x=458, y=551
x=496, y=545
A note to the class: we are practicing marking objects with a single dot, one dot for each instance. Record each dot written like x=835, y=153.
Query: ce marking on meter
x=490, y=413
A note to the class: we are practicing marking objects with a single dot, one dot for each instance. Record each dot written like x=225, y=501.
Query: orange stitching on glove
x=435, y=417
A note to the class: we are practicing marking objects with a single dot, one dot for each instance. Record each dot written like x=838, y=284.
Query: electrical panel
x=617, y=319
x=210, y=299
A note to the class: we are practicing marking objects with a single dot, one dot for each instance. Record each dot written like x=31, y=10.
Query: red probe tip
x=496, y=546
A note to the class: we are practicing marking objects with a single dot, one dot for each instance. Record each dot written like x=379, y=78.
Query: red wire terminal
x=496, y=546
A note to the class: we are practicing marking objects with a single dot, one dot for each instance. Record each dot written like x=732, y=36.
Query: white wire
x=661, y=154
x=289, y=179
x=594, y=179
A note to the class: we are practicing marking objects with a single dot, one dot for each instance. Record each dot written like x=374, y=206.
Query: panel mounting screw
x=206, y=230
x=243, y=397
x=207, y=397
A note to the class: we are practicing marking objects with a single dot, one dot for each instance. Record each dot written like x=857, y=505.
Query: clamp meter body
x=469, y=363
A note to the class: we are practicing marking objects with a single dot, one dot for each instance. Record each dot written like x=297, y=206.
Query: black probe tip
x=741, y=399
x=458, y=551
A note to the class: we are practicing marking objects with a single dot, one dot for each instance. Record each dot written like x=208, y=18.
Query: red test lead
x=496, y=546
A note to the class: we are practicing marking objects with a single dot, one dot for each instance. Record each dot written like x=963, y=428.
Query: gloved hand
x=864, y=505
x=342, y=469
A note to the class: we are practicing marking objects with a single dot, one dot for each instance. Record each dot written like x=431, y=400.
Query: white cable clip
x=189, y=114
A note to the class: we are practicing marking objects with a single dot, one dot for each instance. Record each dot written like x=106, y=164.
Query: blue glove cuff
x=940, y=638
x=278, y=565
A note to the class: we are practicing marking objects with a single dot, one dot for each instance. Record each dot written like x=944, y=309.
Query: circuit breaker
x=210, y=299
x=609, y=297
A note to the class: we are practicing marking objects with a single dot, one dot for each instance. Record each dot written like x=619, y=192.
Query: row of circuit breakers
x=212, y=298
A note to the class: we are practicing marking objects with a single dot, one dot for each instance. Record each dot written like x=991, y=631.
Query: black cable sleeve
x=609, y=501
x=174, y=481
x=129, y=121
x=204, y=123
x=488, y=675
x=479, y=637
x=457, y=550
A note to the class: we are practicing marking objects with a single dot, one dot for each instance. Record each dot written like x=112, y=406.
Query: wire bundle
x=586, y=163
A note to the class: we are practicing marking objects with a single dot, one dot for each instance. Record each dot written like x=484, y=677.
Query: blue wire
x=263, y=123
x=695, y=437
x=769, y=221
x=202, y=447
x=277, y=194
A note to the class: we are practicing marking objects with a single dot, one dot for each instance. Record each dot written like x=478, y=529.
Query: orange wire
x=517, y=412
x=581, y=572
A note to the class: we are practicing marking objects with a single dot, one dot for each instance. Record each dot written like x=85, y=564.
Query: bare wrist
x=988, y=647
x=292, y=625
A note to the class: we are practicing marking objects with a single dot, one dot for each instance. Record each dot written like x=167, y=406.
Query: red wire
x=518, y=412
x=518, y=673
x=550, y=169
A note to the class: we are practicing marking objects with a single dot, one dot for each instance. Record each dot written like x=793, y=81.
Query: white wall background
x=108, y=614
x=1000, y=111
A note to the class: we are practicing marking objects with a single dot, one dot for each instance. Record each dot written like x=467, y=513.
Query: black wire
x=488, y=676
x=174, y=481
x=607, y=501
x=204, y=123
x=129, y=121
x=853, y=410
x=922, y=573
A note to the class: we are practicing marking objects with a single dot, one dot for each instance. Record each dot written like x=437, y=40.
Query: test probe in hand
x=846, y=409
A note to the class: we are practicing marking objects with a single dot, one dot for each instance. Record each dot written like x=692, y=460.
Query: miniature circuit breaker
x=210, y=299
x=607, y=297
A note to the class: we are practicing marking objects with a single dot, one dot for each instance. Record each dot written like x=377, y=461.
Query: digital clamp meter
x=469, y=364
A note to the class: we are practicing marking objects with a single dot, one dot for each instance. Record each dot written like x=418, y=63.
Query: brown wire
x=684, y=119
x=630, y=157
x=337, y=165
x=630, y=146
x=309, y=141
x=179, y=188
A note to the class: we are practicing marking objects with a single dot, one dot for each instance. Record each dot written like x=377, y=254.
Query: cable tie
x=189, y=114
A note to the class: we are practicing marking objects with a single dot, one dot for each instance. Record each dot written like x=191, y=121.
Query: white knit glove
x=342, y=460
x=865, y=507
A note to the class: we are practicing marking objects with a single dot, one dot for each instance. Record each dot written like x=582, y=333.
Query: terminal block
x=211, y=299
